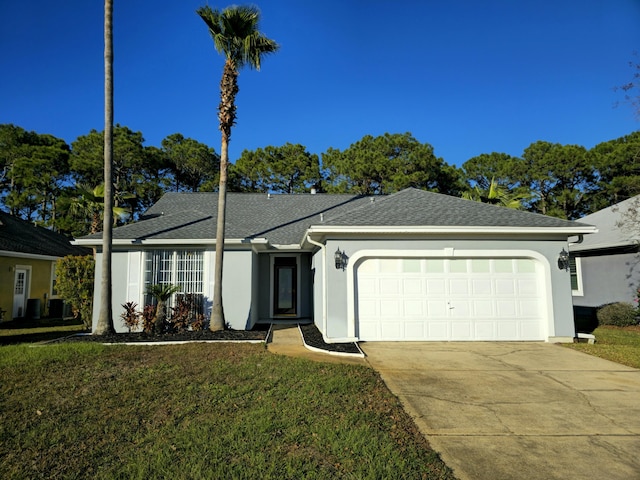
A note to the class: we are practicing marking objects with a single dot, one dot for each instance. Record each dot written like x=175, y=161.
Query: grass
x=31, y=331
x=618, y=344
x=83, y=410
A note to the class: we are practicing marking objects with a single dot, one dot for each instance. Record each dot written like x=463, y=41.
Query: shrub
x=74, y=282
x=185, y=316
x=198, y=324
x=161, y=292
x=148, y=317
x=619, y=314
x=181, y=316
x=130, y=316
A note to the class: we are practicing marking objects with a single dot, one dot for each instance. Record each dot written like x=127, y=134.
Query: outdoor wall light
x=563, y=260
x=340, y=259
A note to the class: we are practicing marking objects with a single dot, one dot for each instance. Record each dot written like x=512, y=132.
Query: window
x=576, y=276
x=184, y=268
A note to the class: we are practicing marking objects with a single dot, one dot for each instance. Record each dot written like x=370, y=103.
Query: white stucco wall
x=608, y=278
x=128, y=285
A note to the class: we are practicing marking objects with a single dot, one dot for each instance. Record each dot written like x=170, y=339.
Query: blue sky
x=468, y=77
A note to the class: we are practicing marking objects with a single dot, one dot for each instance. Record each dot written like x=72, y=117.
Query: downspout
x=323, y=248
x=579, y=241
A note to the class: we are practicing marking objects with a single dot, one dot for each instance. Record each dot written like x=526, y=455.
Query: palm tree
x=105, y=317
x=89, y=203
x=235, y=35
x=161, y=292
x=496, y=194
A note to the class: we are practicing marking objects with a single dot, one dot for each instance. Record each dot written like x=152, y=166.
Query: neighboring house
x=28, y=255
x=605, y=265
x=414, y=265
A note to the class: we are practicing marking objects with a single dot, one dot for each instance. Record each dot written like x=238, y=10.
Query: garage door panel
x=414, y=308
x=507, y=330
x=368, y=330
x=414, y=330
x=437, y=308
x=462, y=330
x=389, y=286
x=482, y=286
x=530, y=329
x=484, y=330
x=392, y=330
x=367, y=286
x=505, y=287
x=368, y=308
x=459, y=308
x=483, y=308
x=450, y=299
x=527, y=286
x=389, y=308
x=438, y=330
x=506, y=308
x=459, y=287
x=412, y=286
x=436, y=286
x=530, y=309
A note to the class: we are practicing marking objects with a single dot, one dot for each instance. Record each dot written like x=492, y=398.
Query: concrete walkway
x=504, y=411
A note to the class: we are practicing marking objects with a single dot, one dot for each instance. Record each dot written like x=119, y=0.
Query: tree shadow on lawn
x=23, y=330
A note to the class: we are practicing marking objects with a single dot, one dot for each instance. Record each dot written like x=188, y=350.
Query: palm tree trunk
x=161, y=315
x=227, y=117
x=217, y=312
x=105, y=318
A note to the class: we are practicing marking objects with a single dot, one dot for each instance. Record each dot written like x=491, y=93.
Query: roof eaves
x=570, y=230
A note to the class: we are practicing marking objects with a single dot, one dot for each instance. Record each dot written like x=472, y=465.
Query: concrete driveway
x=499, y=411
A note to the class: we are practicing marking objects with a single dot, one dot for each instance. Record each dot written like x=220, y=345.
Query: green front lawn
x=236, y=411
x=618, y=344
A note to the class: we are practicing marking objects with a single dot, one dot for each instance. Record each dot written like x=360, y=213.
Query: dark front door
x=285, y=282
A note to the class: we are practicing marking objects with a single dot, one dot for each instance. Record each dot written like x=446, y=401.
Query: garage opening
x=450, y=299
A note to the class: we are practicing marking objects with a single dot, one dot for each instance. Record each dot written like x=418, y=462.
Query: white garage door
x=450, y=299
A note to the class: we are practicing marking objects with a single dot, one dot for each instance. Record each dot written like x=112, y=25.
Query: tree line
x=47, y=181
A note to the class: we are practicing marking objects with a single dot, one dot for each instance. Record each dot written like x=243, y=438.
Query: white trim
x=272, y=258
x=31, y=256
x=27, y=288
x=448, y=229
x=339, y=354
x=173, y=241
x=51, y=280
x=325, y=306
x=579, y=292
x=447, y=253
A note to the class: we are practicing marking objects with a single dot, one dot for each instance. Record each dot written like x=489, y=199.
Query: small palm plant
x=161, y=292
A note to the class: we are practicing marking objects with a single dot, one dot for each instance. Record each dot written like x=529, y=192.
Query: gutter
x=171, y=241
x=30, y=256
x=577, y=230
x=323, y=248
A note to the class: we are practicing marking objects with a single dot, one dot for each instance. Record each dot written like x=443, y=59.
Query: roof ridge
x=378, y=198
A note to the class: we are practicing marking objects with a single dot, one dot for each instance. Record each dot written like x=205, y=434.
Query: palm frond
x=235, y=33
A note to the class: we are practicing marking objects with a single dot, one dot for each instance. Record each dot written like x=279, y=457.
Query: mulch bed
x=259, y=333
x=313, y=338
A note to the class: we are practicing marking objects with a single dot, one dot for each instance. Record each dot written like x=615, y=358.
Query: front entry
x=285, y=286
x=19, y=293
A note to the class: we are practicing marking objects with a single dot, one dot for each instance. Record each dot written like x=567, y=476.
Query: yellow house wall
x=39, y=279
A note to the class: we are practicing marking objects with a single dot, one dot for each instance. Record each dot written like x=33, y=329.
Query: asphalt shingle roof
x=283, y=219
x=613, y=231
x=413, y=207
x=17, y=235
